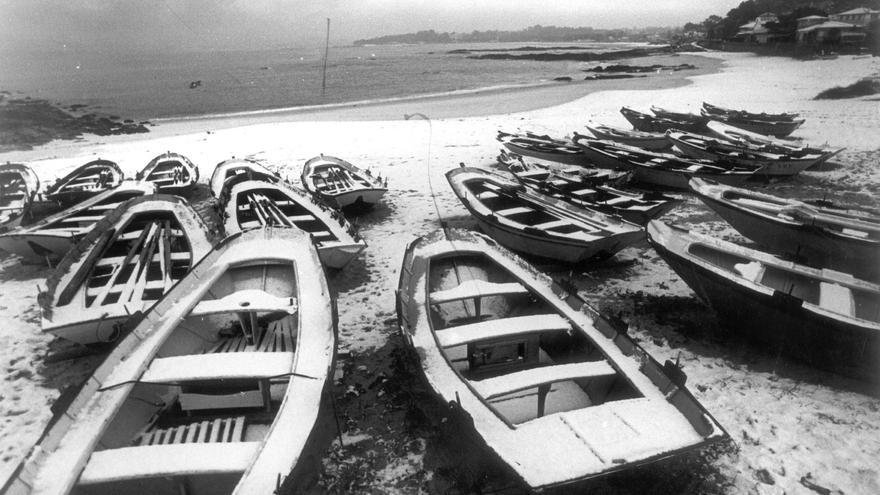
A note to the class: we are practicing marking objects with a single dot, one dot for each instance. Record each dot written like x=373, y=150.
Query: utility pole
x=326, y=50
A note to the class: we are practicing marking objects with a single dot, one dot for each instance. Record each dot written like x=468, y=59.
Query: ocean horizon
x=146, y=86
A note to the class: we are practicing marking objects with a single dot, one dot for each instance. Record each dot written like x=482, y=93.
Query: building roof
x=812, y=17
x=860, y=10
x=828, y=25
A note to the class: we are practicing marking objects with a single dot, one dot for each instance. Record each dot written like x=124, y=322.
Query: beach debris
x=195, y=84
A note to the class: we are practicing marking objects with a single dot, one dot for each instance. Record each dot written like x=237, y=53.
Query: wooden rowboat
x=652, y=141
x=85, y=181
x=51, y=238
x=631, y=205
x=780, y=128
x=342, y=185
x=217, y=389
x=820, y=237
x=589, y=176
x=744, y=114
x=132, y=257
x=549, y=386
x=538, y=225
x=651, y=123
x=252, y=204
x=769, y=144
x=18, y=188
x=172, y=173
x=827, y=318
x=230, y=172
x=690, y=118
x=543, y=148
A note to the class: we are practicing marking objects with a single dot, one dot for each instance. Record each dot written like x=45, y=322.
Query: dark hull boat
x=659, y=169
x=132, y=257
x=230, y=172
x=550, y=387
x=216, y=390
x=651, y=123
x=633, y=206
x=54, y=236
x=743, y=114
x=172, y=173
x=18, y=188
x=826, y=318
x=543, y=148
x=536, y=224
x=778, y=128
x=821, y=237
x=254, y=204
x=690, y=118
x=342, y=185
x=651, y=141
x=86, y=181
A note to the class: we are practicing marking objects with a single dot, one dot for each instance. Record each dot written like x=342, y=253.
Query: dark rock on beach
x=640, y=68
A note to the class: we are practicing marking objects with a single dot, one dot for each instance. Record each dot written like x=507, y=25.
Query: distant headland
x=536, y=33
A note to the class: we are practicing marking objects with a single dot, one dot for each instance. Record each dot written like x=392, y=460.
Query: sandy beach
x=794, y=429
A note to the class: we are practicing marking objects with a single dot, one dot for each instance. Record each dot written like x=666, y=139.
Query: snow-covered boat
x=52, y=237
x=543, y=148
x=84, y=182
x=708, y=148
x=660, y=169
x=822, y=316
x=18, y=188
x=538, y=225
x=652, y=141
x=217, y=389
x=553, y=389
x=172, y=173
x=132, y=257
x=255, y=203
x=235, y=170
x=342, y=185
x=633, y=206
x=821, y=237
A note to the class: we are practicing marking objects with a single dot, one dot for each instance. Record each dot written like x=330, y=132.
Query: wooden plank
x=128, y=257
x=476, y=288
x=191, y=432
x=215, y=431
x=203, y=432
x=503, y=327
x=523, y=380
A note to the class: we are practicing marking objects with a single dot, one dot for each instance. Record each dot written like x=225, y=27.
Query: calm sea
x=158, y=86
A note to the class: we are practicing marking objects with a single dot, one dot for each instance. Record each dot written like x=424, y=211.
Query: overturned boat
x=538, y=225
x=235, y=170
x=550, y=387
x=543, y=148
x=84, y=182
x=250, y=204
x=18, y=188
x=172, y=173
x=51, y=238
x=342, y=185
x=132, y=257
x=217, y=389
x=827, y=318
x=820, y=237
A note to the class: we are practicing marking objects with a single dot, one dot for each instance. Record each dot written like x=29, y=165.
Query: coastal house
x=810, y=20
x=860, y=17
x=831, y=33
x=757, y=31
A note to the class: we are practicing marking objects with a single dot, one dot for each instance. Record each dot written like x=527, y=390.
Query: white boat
x=85, y=181
x=229, y=172
x=252, y=204
x=172, y=173
x=51, y=238
x=18, y=188
x=551, y=388
x=216, y=390
x=544, y=148
x=538, y=225
x=820, y=237
x=132, y=257
x=653, y=141
x=824, y=317
x=761, y=142
x=342, y=185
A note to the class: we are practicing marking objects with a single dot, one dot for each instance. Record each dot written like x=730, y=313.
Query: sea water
x=149, y=86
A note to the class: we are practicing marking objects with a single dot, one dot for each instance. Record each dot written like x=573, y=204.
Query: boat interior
x=170, y=172
x=82, y=220
x=150, y=253
x=218, y=379
x=331, y=178
x=274, y=207
x=13, y=190
x=845, y=299
x=523, y=358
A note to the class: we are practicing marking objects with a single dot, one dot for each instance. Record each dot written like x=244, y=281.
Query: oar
x=117, y=270
x=143, y=267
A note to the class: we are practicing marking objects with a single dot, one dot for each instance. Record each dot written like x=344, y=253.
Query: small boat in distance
x=85, y=181
x=820, y=237
x=18, y=188
x=217, y=389
x=52, y=237
x=172, y=173
x=342, y=185
x=824, y=317
x=651, y=141
x=132, y=257
x=254, y=204
x=538, y=225
x=235, y=170
x=543, y=148
x=551, y=388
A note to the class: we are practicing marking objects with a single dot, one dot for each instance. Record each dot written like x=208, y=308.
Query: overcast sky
x=252, y=24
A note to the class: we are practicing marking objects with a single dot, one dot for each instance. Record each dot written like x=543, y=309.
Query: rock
x=765, y=477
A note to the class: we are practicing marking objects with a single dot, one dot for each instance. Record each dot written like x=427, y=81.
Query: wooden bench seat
x=175, y=256
x=504, y=327
x=218, y=366
x=476, y=288
x=245, y=300
x=514, y=211
x=301, y=218
x=523, y=380
x=837, y=298
x=551, y=224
